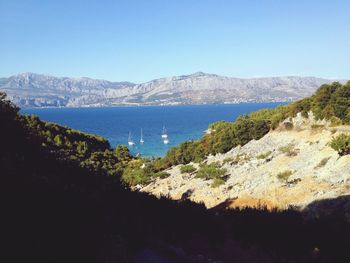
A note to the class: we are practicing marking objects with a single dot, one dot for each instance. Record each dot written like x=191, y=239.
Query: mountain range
x=36, y=90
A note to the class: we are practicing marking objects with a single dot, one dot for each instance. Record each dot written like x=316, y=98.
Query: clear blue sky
x=142, y=40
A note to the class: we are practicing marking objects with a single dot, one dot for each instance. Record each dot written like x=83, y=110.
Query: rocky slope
x=318, y=172
x=34, y=90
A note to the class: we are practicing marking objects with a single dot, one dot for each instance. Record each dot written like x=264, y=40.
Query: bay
x=114, y=123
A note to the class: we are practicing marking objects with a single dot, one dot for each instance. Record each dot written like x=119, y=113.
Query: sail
x=130, y=142
x=164, y=133
x=141, y=137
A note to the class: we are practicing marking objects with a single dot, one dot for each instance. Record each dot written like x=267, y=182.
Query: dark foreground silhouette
x=52, y=210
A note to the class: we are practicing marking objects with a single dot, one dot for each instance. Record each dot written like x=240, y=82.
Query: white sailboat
x=164, y=133
x=166, y=141
x=130, y=141
x=141, y=138
x=165, y=136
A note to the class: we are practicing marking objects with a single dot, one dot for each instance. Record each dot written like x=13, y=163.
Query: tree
x=122, y=153
x=8, y=110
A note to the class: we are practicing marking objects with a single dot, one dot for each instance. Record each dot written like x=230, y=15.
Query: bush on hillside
x=217, y=182
x=289, y=150
x=284, y=176
x=187, y=169
x=335, y=121
x=134, y=175
x=341, y=144
x=210, y=171
x=264, y=155
x=161, y=175
x=141, y=172
x=288, y=126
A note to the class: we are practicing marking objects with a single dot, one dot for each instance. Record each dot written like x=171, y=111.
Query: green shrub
x=341, y=144
x=141, y=171
x=161, y=175
x=284, y=176
x=335, y=121
x=134, y=176
x=187, y=169
x=289, y=150
x=210, y=171
x=217, y=182
x=264, y=155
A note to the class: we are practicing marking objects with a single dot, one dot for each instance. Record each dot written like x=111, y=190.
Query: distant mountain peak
x=201, y=74
x=26, y=75
x=198, y=74
x=37, y=90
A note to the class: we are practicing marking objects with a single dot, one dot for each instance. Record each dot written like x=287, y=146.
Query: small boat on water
x=130, y=141
x=166, y=141
x=164, y=133
x=141, y=138
x=165, y=136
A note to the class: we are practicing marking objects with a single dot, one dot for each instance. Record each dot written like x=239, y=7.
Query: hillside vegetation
x=89, y=151
x=330, y=102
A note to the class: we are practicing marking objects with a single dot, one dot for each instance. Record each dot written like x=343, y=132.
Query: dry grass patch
x=322, y=163
x=264, y=155
x=289, y=150
x=284, y=176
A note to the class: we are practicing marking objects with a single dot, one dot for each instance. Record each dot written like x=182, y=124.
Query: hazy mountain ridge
x=35, y=90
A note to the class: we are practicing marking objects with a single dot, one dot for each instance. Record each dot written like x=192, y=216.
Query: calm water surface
x=114, y=123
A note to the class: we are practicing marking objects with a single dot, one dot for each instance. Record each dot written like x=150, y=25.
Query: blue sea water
x=114, y=123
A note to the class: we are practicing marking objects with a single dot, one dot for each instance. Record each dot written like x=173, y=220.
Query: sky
x=142, y=40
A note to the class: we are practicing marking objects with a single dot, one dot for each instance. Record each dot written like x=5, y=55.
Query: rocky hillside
x=287, y=167
x=34, y=90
